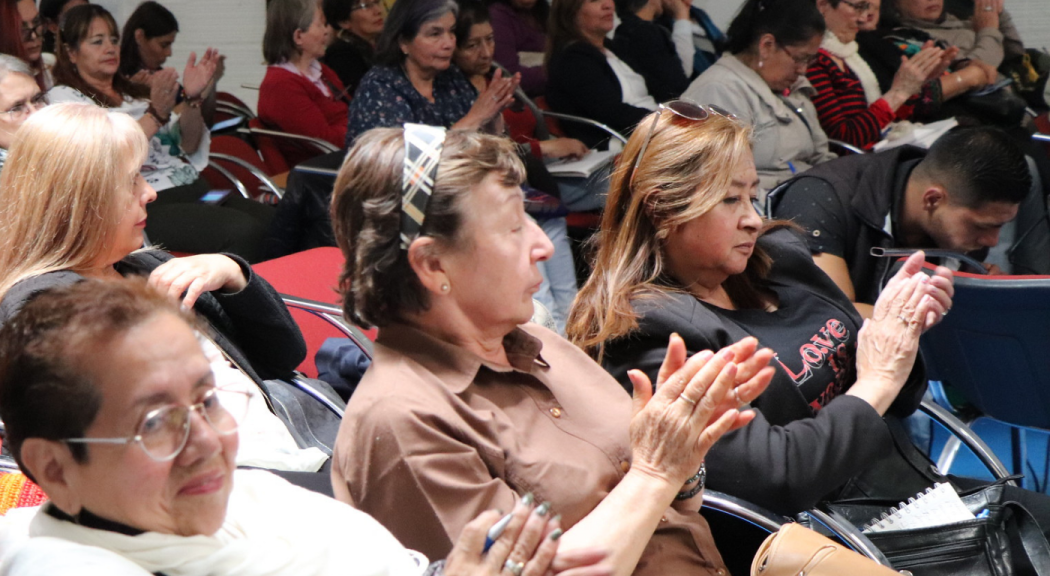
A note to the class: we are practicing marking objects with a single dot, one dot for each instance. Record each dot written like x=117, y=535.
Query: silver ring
x=513, y=567
x=494, y=99
x=687, y=399
x=736, y=397
x=902, y=318
x=987, y=8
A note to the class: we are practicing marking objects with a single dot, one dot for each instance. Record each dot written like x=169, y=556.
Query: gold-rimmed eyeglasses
x=163, y=432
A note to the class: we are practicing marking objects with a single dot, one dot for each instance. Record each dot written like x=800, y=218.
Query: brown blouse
x=434, y=435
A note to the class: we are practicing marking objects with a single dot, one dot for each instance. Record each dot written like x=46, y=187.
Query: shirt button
x=816, y=233
x=625, y=466
x=556, y=412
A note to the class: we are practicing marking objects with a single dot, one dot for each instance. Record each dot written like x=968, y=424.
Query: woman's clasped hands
x=696, y=401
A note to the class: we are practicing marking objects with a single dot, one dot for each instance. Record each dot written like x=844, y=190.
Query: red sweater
x=290, y=103
x=842, y=107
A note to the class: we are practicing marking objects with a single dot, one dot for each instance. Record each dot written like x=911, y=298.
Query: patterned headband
x=422, y=153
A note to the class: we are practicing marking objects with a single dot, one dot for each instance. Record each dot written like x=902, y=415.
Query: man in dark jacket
x=957, y=196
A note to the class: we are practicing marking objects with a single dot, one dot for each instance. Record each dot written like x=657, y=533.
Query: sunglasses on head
x=682, y=108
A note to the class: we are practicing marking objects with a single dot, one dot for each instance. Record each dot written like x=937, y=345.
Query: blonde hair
x=65, y=186
x=686, y=171
x=377, y=284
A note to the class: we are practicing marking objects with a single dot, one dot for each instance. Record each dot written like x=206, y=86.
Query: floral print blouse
x=387, y=99
x=166, y=165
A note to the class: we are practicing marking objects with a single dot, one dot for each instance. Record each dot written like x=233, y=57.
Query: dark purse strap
x=1032, y=538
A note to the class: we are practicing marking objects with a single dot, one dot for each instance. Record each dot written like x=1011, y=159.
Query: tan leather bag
x=797, y=551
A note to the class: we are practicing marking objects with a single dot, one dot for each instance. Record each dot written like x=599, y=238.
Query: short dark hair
x=154, y=20
x=630, y=6
x=977, y=166
x=283, y=18
x=336, y=11
x=791, y=22
x=45, y=389
x=377, y=284
x=403, y=23
x=471, y=12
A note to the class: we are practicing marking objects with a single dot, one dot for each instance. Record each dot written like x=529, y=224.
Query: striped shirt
x=842, y=108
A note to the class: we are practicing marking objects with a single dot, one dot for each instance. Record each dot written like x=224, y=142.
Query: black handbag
x=979, y=547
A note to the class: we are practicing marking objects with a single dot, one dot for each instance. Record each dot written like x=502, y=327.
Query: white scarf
x=271, y=528
x=848, y=54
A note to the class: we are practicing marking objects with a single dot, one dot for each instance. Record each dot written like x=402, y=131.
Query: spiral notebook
x=936, y=506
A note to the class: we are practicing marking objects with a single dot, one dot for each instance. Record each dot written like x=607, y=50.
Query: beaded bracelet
x=156, y=116
x=700, y=478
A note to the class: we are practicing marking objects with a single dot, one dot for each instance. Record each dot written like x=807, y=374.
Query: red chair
x=232, y=162
x=307, y=282
x=231, y=105
x=283, y=150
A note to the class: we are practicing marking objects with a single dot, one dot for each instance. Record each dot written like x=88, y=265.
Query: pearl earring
x=444, y=287
x=761, y=63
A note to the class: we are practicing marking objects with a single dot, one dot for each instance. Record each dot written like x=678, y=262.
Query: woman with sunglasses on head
x=112, y=406
x=683, y=251
x=851, y=105
x=761, y=79
x=357, y=25
x=22, y=36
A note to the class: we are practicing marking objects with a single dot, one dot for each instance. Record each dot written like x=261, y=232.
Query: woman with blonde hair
x=682, y=250
x=73, y=206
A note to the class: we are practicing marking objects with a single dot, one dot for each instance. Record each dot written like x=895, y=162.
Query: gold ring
x=687, y=399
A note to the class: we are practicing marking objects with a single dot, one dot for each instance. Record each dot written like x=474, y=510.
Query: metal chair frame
x=262, y=176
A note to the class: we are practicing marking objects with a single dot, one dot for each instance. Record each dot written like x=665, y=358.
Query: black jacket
x=581, y=82
x=787, y=459
x=647, y=48
x=865, y=186
x=253, y=326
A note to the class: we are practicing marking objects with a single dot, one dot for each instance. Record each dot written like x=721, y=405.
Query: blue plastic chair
x=994, y=350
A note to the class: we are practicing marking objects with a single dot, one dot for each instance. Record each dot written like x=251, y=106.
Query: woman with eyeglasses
x=357, y=24
x=73, y=205
x=112, y=406
x=761, y=79
x=850, y=104
x=683, y=251
x=22, y=36
x=20, y=96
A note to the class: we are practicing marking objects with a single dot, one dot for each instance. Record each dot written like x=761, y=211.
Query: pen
x=495, y=532
x=791, y=166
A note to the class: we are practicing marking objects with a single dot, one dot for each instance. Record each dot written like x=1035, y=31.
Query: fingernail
x=543, y=509
x=557, y=518
x=556, y=534
x=925, y=299
x=499, y=511
x=727, y=355
x=528, y=499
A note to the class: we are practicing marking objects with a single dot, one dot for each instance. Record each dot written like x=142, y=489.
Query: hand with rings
x=527, y=546
x=889, y=341
x=497, y=95
x=693, y=406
